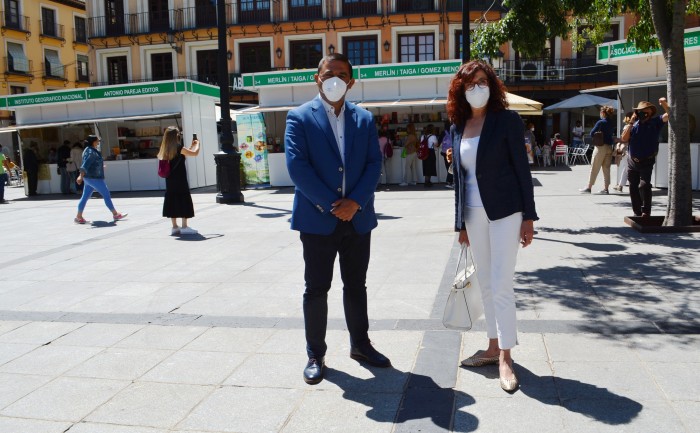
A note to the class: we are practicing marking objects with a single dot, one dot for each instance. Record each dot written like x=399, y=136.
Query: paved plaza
x=122, y=328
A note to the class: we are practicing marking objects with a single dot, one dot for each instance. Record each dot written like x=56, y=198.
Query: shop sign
x=619, y=50
x=45, y=98
x=305, y=76
x=409, y=70
x=154, y=88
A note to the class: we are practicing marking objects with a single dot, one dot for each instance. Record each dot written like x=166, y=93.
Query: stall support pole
x=228, y=161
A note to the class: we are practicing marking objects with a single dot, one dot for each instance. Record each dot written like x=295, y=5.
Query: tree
x=660, y=23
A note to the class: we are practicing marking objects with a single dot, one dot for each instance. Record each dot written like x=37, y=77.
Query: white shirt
x=338, y=126
x=432, y=141
x=467, y=158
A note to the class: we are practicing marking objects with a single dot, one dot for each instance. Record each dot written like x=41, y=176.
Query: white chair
x=561, y=154
x=579, y=153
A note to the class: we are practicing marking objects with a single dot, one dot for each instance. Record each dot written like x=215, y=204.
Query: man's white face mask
x=334, y=89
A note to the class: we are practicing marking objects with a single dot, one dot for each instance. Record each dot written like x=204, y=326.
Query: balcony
x=407, y=6
x=81, y=74
x=53, y=72
x=50, y=29
x=79, y=36
x=196, y=17
x=475, y=5
x=17, y=66
x=305, y=10
x=525, y=72
x=359, y=8
x=19, y=23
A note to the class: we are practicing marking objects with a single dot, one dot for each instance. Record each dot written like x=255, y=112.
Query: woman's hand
x=79, y=180
x=463, y=237
x=527, y=231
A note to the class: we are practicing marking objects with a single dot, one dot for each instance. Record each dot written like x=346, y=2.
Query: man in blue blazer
x=334, y=161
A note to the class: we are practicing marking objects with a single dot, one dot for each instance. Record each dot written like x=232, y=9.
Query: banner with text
x=252, y=143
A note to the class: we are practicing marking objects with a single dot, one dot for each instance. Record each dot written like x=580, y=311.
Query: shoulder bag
x=464, y=305
x=597, y=139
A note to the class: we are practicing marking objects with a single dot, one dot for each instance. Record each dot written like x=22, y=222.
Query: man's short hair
x=335, y=56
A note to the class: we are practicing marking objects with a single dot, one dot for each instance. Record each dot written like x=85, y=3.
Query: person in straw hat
x=643, y=139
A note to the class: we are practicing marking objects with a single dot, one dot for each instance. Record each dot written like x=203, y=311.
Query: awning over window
x=53, y=63
x=19, y=60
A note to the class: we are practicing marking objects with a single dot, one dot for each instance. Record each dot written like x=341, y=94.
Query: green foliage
x=528, y=24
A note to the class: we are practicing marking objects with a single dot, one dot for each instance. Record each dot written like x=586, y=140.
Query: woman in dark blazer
x=494, y=201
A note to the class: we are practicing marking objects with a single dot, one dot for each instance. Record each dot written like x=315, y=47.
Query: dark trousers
x=319, y=258
x=32, y=181
x=65, y=180
x=639, y=177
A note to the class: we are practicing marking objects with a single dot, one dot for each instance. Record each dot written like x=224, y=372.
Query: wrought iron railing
x=81, y=76
x=53, y=71
x=17, y=66
x=359, y=8
x=51, y=29
x=15, y=22
x=80, y=36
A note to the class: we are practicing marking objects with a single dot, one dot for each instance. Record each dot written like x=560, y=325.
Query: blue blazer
x=502, y=169
x=316, y=168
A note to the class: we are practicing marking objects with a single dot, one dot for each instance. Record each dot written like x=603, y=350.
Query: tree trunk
x=671, y=33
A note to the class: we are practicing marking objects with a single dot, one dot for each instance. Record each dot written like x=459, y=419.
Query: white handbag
x=464, y=305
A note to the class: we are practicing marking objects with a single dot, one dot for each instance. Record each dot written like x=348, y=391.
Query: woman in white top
x=494, y=202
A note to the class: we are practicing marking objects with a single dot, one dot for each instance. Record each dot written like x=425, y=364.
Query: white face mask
x=478, y=97
x=334, y=89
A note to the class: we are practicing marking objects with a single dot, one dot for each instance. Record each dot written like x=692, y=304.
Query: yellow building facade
x=44, y=47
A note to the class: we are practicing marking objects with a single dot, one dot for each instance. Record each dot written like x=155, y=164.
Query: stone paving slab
x=206, y=334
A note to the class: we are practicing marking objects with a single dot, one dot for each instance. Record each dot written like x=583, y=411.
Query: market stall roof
x=580, y=101
x=83, y=121
x=518, y=103
x=693, y=80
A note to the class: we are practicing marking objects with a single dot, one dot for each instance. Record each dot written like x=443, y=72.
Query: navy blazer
x=316, y=168
x=502, y=169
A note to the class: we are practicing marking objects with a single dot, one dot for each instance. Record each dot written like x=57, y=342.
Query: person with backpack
x=429, y=164
x=445, y=145
x=410, y=160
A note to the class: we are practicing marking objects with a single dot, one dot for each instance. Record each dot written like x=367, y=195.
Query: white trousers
x=495, y=247
x=622, y=171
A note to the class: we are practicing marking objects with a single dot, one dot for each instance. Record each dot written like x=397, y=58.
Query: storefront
x=397, y=94
x=642, y=77
x=129, y=119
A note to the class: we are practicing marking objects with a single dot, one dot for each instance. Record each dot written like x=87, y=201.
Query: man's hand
x=345, y=209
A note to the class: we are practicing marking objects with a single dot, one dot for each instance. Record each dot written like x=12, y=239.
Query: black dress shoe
x=313, y=372
x=370, y=355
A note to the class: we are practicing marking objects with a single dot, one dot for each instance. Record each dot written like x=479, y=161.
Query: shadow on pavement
x=423, y=406
x=198, y=237
x=589, y=400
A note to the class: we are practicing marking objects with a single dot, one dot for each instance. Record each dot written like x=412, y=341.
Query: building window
x=117, y=72
x=305, y=9
x=82, y=69
x=80, y=33
x=52, y=64
x=207, y=66
x=205, y=13
x=414, y=5
x=48, y=22
x=17, y=90
x=114, y=17
x=361, y=50
x=16, y=59
x=161, y=66
x=254, y=57
x=354, y=8
x=416, y=47
x=254, y=11
x=305, y=54
x=12, y=14
x=158, y=16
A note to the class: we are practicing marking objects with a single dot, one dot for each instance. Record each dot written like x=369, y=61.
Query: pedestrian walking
x=410, y=159
x=62, y=157
x=92, y=173
x=178, y=199
x=495, y=205
x=603, y=152
x=334, y=161
x=643, y=145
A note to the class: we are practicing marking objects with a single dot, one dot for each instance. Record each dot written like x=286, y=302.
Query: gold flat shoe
x=477, y=360
x=509, y=385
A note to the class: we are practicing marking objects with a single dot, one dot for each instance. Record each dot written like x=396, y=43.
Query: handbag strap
x=466, y=259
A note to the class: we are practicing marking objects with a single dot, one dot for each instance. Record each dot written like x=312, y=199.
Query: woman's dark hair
x=335, y=56
x=91, y=139
x=458, y=109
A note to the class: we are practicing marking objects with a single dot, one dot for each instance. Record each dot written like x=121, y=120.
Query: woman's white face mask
x=334, y=89
x=478, y=97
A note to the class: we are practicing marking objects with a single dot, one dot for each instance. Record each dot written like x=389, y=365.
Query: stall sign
x=153, y=88
x=305, y=76
x=45, y=98
x=3, y=102
x=625, y=49
x=202, y=89
x=409, y=70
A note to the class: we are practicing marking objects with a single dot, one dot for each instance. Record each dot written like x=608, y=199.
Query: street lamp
x=228, y=160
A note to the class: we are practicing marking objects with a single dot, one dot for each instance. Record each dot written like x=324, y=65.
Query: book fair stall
x=129, y=119
x=397, y=94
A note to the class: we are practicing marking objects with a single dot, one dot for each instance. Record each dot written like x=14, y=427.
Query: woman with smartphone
x=178, y=200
